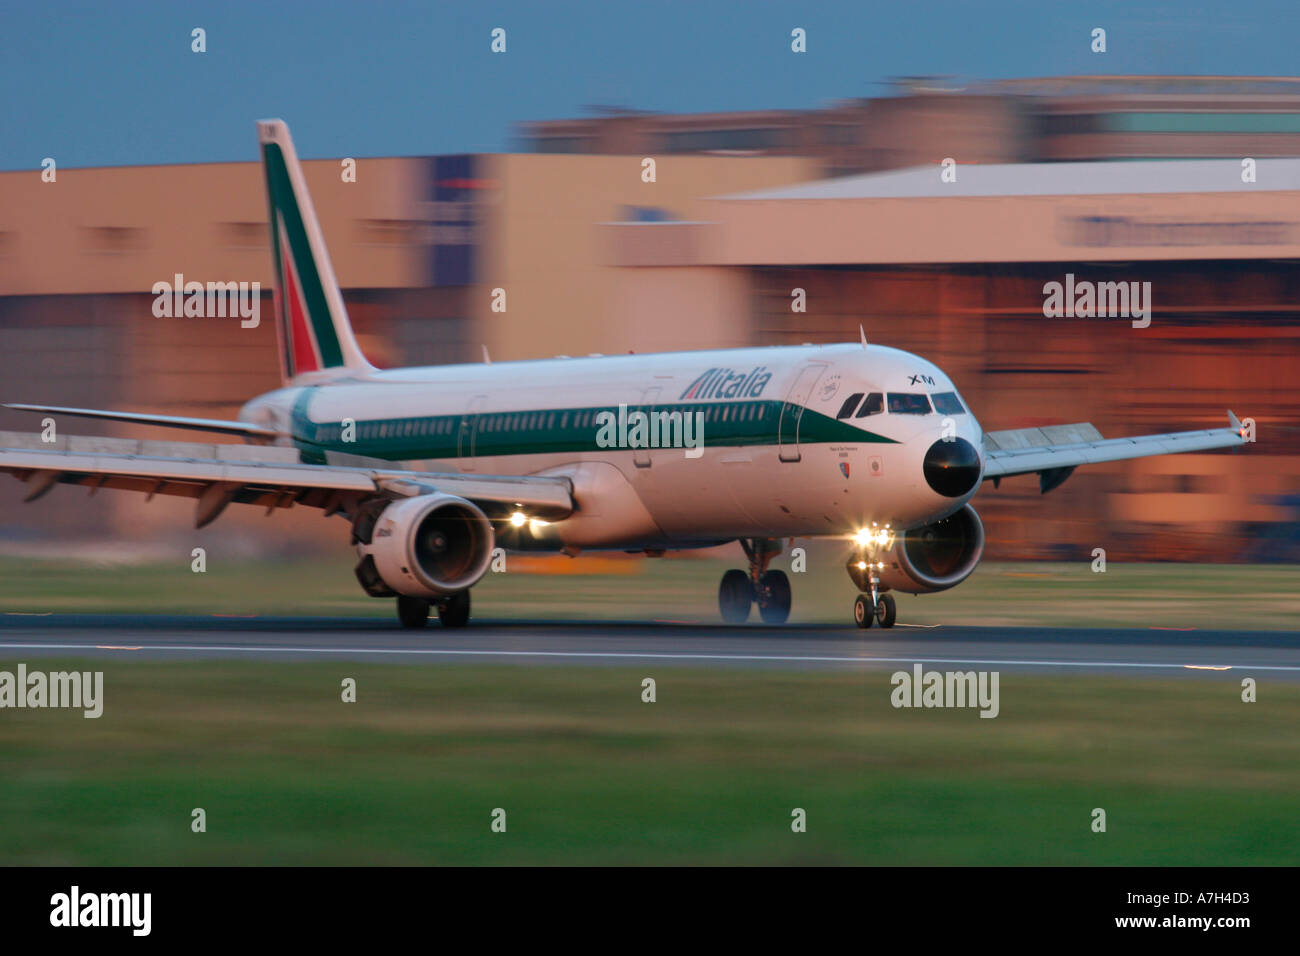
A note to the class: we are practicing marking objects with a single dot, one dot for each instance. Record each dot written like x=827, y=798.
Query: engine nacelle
x=426, y=546
x=931, y=558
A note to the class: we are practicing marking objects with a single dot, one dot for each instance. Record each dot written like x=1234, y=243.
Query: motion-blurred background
x=1109, y=177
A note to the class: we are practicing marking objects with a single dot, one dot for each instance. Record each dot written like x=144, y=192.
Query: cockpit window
x=849, y=405
x=904, y=403
x=947, y=403
x=874, y=405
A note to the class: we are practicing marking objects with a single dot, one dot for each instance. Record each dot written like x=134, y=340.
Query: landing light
x=881, y=537
x=518, y=519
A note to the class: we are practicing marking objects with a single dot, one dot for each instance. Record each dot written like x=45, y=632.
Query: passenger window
x=849, y=406
x=904, y=403
x=874, y=405
x=947, y=403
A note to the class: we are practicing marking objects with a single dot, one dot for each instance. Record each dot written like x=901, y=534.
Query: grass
x=1126, y=595
x=589, y=774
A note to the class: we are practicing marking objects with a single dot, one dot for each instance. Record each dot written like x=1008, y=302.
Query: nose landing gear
x=864, y=567
x=884, y=612
x=770, y=590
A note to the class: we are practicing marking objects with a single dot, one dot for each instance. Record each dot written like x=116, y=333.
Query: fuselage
x=761, y=442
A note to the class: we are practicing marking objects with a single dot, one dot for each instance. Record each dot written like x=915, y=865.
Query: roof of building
x=1049, y=179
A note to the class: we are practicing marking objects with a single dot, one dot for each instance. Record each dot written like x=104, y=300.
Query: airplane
x=435, y=468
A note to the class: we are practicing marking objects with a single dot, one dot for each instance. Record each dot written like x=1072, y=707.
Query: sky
x=107, y=84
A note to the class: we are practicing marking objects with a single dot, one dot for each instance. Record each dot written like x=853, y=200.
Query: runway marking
x=1206, y=667
x=28, y=613
x=644, y=655
x=116, y=647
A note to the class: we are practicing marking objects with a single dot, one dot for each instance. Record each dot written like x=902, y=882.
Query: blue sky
x=98, y=84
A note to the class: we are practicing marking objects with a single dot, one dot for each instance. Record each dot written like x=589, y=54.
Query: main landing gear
x=414, y=612
x=770, y=590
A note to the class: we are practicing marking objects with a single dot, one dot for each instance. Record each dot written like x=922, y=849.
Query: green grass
x=587, y=773
x=1127, y=595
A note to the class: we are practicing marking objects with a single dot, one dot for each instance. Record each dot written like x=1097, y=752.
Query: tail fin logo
x=301, y=348
x=312, y=323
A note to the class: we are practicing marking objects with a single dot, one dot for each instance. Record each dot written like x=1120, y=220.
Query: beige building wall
x=971, y=229
x=544, y=244
x=123, y=229
x=671, y=309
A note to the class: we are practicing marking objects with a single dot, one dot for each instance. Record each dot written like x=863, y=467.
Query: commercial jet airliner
x=435, y=468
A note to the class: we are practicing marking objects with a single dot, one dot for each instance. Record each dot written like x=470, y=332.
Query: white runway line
x=648, y=655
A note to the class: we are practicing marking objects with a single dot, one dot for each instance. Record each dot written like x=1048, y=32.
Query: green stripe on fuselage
x=555, y=430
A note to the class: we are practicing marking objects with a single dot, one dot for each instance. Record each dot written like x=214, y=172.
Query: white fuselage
x=776, y=461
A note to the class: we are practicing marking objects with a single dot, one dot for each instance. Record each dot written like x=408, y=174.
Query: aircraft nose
x=952, y=468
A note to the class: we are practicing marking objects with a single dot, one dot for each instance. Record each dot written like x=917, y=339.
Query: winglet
x=862, y=333
x=1234, y=421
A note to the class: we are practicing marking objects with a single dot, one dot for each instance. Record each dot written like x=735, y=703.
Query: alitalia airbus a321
x=434, y=468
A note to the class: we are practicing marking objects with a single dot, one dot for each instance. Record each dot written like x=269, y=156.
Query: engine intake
x=427, y=546
x=931, y=558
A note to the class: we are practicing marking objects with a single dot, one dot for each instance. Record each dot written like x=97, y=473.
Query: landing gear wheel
x=412, y=611
x=455, y=613
x=735, y=595
x=774, y=597
x=863, y=615
x=886, y=610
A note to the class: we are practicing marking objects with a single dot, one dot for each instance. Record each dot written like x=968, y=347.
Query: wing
x=220, y=425
x=1055, y=451
x=269, y=476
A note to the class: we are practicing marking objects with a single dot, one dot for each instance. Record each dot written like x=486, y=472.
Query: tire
x=887, y=610
x=412, y=612
x=735, y=596
x=862, y=615
x=774, y=597
x=455, y=613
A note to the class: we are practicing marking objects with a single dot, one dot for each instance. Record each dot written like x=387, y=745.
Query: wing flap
x=261, y=475
x=1018, y=438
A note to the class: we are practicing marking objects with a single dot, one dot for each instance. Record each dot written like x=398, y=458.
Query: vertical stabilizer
x=315, y=335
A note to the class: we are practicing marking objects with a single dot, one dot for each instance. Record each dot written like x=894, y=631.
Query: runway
x=1147, y=651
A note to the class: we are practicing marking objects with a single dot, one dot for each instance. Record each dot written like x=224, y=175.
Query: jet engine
x=426, y=546
x=931, y=558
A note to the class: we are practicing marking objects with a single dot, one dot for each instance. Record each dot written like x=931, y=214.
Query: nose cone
x=952, y=468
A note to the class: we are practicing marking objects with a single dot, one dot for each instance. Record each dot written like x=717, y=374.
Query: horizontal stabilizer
x=219, y=425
